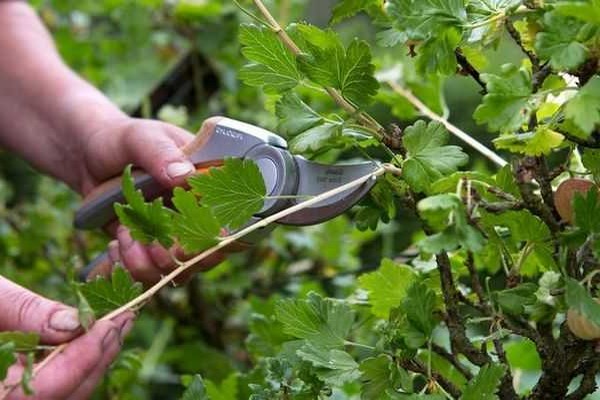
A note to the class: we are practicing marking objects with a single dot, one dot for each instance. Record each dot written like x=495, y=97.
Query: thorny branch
x=149, y=293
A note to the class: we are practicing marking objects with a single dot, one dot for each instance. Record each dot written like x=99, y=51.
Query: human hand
x=155, y=147
x=75, y=372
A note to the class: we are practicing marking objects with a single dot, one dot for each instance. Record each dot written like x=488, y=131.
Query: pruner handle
x=97, y=209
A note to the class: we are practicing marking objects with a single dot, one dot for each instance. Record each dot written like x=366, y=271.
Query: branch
x=362, y=117
x=468, y=68
x=588, y=383
x=148, y=294
x=418, y=367
x=458, y=336
x=465, y=137
x=517, y=38
x=452, y=359
x=593, y=142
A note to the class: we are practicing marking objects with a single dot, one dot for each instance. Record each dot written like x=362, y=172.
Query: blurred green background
x=126, y=47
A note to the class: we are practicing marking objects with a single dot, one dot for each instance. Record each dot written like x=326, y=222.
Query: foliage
x=458, y=279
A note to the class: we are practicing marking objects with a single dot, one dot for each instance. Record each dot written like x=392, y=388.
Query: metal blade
x=314, y=179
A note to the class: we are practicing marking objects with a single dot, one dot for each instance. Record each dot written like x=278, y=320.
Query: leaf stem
x=465, y=137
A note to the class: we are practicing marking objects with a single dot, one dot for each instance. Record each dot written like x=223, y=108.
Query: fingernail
x=179, y=169
x=65, y=320
x=126, y=328
x=110, y=338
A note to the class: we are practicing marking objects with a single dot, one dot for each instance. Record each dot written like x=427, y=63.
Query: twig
x=465, y=137
x=452, y=359
x=362, y=117
x=517, y=38
x=147, y=295
x=468, y=68
x=454, y=321
x=418, y=367
x=475, y=283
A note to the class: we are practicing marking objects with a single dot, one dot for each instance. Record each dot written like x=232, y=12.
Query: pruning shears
x=288, y=179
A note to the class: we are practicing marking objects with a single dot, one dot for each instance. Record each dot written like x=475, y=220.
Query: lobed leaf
x=273, y=66
x=195, y=390
x=509, y=102
x=387, y=286
x=195, y=226
x=104, y=296
x=147, y=222
x=234, y=192
x=429, y=159
x=329, y=64
x=558, y=42
x=584, y=108
x=485, y=384
x=322, y=322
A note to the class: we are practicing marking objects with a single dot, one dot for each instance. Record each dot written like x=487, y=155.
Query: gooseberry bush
x=494, y=295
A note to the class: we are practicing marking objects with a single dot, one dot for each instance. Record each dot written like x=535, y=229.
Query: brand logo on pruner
x=230, y=133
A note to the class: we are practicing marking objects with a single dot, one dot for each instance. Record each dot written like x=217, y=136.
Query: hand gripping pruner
x=288, y=179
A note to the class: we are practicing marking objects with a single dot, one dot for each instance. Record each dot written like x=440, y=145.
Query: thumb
x=23, y=310
x=156, y=148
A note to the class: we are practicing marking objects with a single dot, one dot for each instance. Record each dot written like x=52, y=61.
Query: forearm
x=41, y=99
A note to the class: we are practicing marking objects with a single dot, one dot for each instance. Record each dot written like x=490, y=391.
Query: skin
x=66, y=128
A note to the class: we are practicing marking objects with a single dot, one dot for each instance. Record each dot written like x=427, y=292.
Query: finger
x=136, y=259
x=160, y=154
x=23, y=310
x=209, y=262
x=87, y=387
x=80, y=361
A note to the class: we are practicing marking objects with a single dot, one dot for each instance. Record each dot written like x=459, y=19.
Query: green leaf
x=558, y=42
x=147, y=222
x=345, y=9
x=327, y=63
x=22, y=341
x=485, y=384
x=587, y=211
x=195, y=390
x=387, y=286
x=541, y=142
x=27, y=375
x=85, y=312
x=522, y=354
x=422, y=19
x=455, y=232
x=591, y=161
x=381, y=375
x=588, y=11
x=429, y=159
x=490, y=11
x=436, y=55
x=316, y=138
x=227, y=390
x=7, y=358
x=234, y=192
x=513, y=301
x=104, y=295
x=578, y=299
x=195, y=226
x=322, y=322
x=295, y=116
x=508, y=103
x=419, y=304
x=333, y=366
x=273, y=66
x=584, y=108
